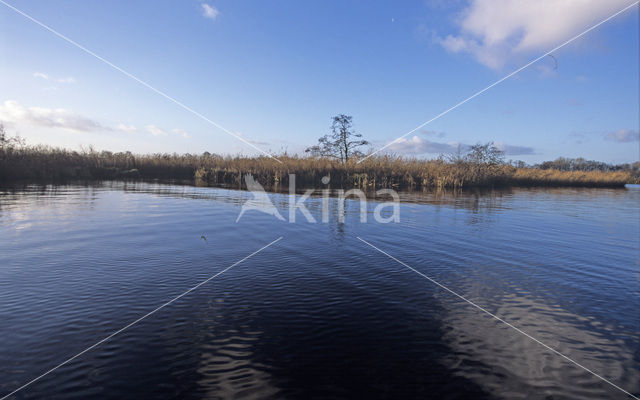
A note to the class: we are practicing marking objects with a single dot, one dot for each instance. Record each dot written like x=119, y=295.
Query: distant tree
x=486, y=153
x=3, y=135
x=342, y=143
x=8, y=142
x=518, y=164
x=580, y=164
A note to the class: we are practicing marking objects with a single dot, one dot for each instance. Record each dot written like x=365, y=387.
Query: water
x=318, y=314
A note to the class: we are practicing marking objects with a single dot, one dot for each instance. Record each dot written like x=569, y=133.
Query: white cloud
x=210, y=11
x=623, y=136
x=126, y=128
x=46, y=77
x=433, y=133
x=416, y=145
x=155, y=131
x=494, y=31
x=511, y=150
x=12, y=112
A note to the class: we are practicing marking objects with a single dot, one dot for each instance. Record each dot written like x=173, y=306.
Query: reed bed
x=41, y=163
x=550, y=177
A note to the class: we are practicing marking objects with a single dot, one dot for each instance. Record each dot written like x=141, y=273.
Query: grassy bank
x=38, y=163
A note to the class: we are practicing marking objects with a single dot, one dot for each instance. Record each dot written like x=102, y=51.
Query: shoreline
x=43, y=164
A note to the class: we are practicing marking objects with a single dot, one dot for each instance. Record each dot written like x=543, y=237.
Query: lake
x=318, y=314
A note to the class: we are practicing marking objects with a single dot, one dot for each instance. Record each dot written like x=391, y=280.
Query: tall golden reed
x=30, y=163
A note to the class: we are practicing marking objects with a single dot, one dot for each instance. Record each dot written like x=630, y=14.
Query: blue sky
x=276, y=72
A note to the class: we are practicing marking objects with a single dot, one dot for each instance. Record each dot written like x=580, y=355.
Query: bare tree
x=3, y=134
x=9, y=142
x=342, y=143
x=486, y=153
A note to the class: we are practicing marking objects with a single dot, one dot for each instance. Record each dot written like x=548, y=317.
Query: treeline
x=580, y=164
x=42, y=163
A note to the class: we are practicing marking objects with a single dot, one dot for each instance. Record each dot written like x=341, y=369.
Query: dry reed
x=31, y=163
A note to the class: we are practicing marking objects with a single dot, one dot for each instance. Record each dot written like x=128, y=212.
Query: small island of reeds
x=41, y=163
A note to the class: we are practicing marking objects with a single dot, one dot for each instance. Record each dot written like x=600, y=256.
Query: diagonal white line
x=496, y=317
x=501, y=80
x=138, y=320
x=140, y=81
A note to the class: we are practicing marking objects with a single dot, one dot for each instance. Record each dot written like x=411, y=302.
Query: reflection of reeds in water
x=45, y=163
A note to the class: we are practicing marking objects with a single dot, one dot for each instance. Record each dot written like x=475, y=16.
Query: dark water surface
x=318, y=314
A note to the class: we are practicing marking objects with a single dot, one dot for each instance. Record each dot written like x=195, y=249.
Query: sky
x=275, y=73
